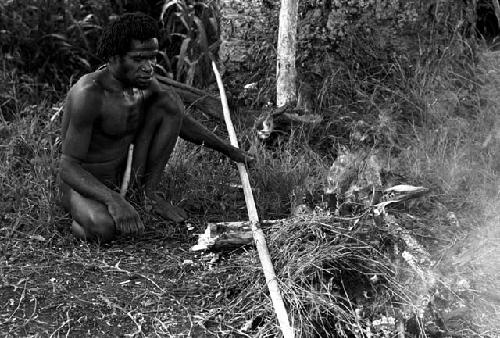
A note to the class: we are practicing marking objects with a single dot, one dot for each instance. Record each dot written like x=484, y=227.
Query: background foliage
x=54, y=41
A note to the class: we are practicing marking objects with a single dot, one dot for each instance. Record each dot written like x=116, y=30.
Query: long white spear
x=258, y=234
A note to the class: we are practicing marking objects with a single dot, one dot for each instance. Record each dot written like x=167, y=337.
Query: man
x=106, y=111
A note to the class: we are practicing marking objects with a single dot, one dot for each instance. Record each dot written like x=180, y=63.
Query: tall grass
x=29, y=151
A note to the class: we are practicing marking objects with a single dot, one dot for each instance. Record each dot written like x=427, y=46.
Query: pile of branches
x=350, y=270
x=336, y=278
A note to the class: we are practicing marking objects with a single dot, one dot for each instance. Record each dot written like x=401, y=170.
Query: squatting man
x=106, y=111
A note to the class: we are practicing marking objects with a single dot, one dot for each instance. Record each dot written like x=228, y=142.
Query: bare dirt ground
x=146, y=286
x=62, y=287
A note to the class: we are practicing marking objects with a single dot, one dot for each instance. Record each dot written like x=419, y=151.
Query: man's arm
x=83, y=108
x=195, y=132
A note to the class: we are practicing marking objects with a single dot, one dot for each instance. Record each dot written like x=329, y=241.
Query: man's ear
x=114, y=62
x=114, y=59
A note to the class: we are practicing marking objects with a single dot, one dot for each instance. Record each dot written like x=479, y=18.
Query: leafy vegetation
x=192, y=28
x=55, y=41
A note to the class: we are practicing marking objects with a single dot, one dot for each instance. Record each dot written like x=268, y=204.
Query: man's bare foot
x=168, y=211
x=78, y=231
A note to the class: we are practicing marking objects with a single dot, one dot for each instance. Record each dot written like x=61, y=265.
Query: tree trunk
x=496, y=5
x=287, y=38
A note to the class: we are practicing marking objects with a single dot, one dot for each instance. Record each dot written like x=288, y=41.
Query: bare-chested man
x=106, y=111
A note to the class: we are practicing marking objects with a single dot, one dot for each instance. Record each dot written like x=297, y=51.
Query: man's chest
x=122, y=113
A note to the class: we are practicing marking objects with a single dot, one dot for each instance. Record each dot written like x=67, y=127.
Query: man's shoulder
x=85, y=95
x=88, y=84
x=163, y=91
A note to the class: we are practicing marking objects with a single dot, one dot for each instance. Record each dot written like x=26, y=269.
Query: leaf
x=88, y=26
x=83, y=25
x=88, y=18
x=402, y=192
x=201, y=4
x=165, y=59
x=182, y=56
x=166, y=6
x=306, y=118
x=405, y=188
x=60, y=39
x=213, y=47
x=84, y=62
x=184, y=19
x=38, y=238
x=183, y=36
x=202, y=36
x=191, y=73
x=215, y=27
x=159, y=69
x=186, y=14
x=55, y=36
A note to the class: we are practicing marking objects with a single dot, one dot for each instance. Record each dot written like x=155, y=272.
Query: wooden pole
x=126, y=175
x=496, y=6
x=258, y=234
x=286, y=77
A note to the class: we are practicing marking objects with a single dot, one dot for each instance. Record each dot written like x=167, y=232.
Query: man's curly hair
x=118, y=35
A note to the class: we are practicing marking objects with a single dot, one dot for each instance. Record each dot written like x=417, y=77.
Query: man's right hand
x=126, y=218
x=240, y=156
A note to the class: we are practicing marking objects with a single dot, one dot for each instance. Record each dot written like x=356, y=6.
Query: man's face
x=135, y=68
